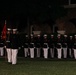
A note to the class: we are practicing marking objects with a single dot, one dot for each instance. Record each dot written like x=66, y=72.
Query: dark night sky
x=14, y=11
x=12, y=8
x=26, y=7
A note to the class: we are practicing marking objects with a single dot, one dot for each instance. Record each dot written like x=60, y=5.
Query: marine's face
x=14, y=32
x=52, y=36
x=45, y=37
x=38, y=36
x=70, y=37
x=8, y=32
x=59, y=37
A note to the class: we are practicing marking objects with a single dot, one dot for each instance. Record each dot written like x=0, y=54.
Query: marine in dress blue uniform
x=1, y=47
x=51, y=45
x=59, y=46
x=26, y=46
x=70, y=46
x=8, y=45
x=64, y=46
x=74, y=46
x=14, y=46
x=31, y=46
x=45, y=46
x=38, y=45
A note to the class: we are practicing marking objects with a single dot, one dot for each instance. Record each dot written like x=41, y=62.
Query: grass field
x=27, y=66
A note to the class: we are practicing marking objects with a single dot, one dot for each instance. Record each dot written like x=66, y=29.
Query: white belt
x=7, y=41
x=59, y=43
x=32, y=43
x=45, y=43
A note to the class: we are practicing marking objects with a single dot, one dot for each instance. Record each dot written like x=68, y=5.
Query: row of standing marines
x=59, y=46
